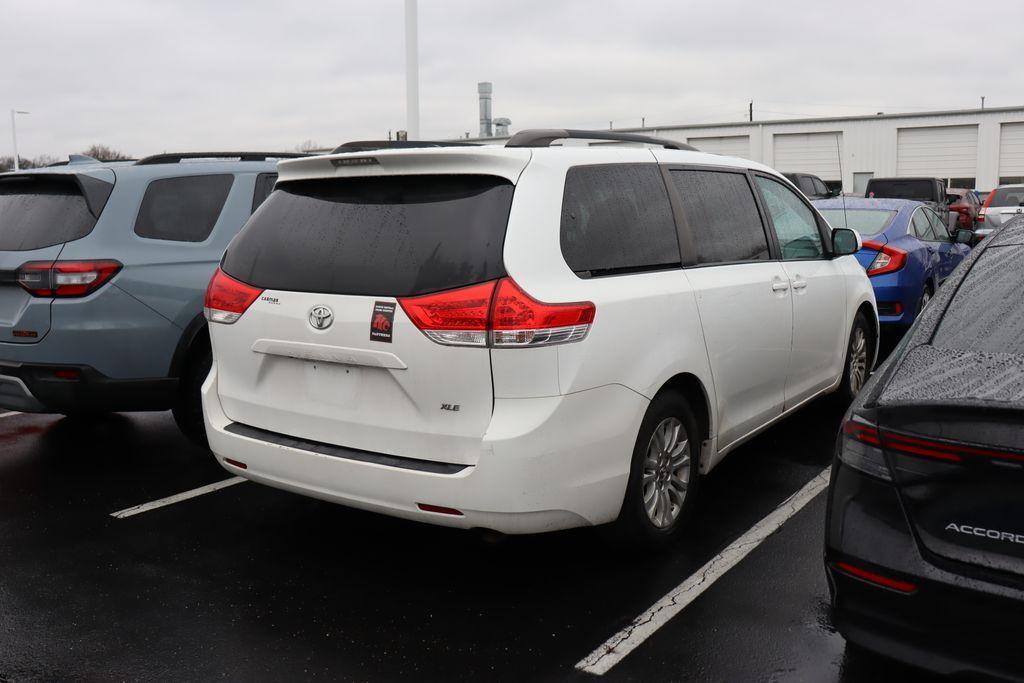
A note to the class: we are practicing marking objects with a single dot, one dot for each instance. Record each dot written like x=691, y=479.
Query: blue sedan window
x=864, y=221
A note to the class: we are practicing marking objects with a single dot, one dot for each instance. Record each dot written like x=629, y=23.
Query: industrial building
x=973, y=148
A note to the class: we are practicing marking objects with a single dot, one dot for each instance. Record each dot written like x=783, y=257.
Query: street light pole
x=412, y=71
x=14, y=135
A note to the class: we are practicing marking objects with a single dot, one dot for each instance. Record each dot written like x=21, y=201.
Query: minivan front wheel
x=859, y=354
x=664, y=474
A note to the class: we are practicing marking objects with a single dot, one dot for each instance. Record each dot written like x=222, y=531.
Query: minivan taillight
x=227, y=298
x=498, y=314
x=66, y=278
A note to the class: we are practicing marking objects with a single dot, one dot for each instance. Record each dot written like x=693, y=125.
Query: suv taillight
x=227, y=298
x=498, y=314
x=66, y=279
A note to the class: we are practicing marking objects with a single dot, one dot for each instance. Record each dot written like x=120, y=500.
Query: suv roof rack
x=241, y=156
x=371, y=145
x=543, y=137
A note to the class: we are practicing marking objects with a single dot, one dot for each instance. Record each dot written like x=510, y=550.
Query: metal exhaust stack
x=484, y=90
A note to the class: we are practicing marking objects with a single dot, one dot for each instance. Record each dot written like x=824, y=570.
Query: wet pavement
x=250, y=582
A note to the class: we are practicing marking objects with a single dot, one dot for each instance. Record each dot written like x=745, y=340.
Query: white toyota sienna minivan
x=528, y=337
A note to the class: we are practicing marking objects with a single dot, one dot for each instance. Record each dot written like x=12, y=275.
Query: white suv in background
x=525, y=338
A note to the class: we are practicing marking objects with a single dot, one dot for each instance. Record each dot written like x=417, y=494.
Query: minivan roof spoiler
x=543, y=137
x=373, y=145
x=178, y=157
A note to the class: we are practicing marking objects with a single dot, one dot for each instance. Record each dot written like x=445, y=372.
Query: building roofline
x=821, y=119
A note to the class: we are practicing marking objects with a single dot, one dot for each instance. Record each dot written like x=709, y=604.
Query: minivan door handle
x=799, y=284
x=779, y=286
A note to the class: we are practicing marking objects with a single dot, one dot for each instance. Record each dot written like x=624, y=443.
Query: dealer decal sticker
x=381, y=321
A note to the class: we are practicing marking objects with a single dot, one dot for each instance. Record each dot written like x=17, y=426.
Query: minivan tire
x=862, y=345
x=668, y=412
x=188, y=408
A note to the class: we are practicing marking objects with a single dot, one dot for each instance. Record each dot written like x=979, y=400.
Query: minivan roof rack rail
x=543, y=137
x=241, y=156
x=371, y=145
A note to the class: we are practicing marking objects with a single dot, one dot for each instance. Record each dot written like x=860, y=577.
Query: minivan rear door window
x=616, y=218
x=383, y=235
x=722, y=214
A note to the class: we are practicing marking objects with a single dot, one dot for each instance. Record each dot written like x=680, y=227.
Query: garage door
x=816, y=153
x=729, y=145
x=1011, y=149
x=939, y=151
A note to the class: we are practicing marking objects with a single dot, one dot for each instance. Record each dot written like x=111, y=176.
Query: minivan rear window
x=375, y=236
x=987, y=311
x=41, y=212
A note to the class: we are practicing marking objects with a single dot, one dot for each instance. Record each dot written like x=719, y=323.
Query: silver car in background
x=1002, y=204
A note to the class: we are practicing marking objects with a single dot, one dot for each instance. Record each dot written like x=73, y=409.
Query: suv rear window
x=41, y=212
x=182, y=209
x=921, y=190
x=987, y=311
x=617, y=218
x=1007, y=196
x=385, y=236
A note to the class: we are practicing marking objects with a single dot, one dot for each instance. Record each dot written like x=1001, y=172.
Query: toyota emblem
x=321, y=317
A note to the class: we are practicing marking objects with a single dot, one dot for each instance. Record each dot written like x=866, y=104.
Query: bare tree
x=309, y=146
x=105, y=153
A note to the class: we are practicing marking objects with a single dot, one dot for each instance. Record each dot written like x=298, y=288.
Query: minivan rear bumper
x=545, y=464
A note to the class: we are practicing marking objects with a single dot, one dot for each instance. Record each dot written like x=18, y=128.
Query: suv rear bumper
x=545, y=464
x=951, y=623
x=36, y=388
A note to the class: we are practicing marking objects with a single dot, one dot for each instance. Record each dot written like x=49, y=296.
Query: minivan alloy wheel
x=666, y=472
x=858, y=359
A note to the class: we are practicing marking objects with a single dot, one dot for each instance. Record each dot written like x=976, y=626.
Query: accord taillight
x=66, y=279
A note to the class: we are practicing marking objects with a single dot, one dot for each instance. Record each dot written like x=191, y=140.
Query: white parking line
x=613, y=650
x=176, y=498
x=10, y=414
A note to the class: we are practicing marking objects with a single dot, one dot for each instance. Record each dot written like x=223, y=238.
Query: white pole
x=412, y=72
x=14, y=139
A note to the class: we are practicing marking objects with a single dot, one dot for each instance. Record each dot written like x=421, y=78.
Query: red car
x=965, y=203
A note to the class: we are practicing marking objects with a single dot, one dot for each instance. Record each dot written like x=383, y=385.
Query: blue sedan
x=908, y=252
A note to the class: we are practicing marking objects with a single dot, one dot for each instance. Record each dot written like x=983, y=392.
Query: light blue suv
x=103, y=269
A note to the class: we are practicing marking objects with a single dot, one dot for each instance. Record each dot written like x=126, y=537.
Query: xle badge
x=381, y=320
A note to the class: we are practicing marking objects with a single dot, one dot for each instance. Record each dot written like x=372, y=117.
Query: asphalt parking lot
x=249, y=582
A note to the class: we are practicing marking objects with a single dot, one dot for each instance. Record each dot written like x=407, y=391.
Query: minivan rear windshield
x=41, y=212
x=1007, y=196
x=922, y=190
x=864, y=221
x=383, y=235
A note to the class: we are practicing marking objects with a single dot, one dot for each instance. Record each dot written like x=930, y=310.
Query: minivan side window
x=794, y=221
x=264, y=186
x=182, y=209
x=722, y=214
x=617, y=218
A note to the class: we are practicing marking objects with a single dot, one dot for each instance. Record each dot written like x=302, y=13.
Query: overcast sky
x=146, y=76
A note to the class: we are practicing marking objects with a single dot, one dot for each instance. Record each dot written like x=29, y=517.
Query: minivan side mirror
x=964, y=236
x=845, y=242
